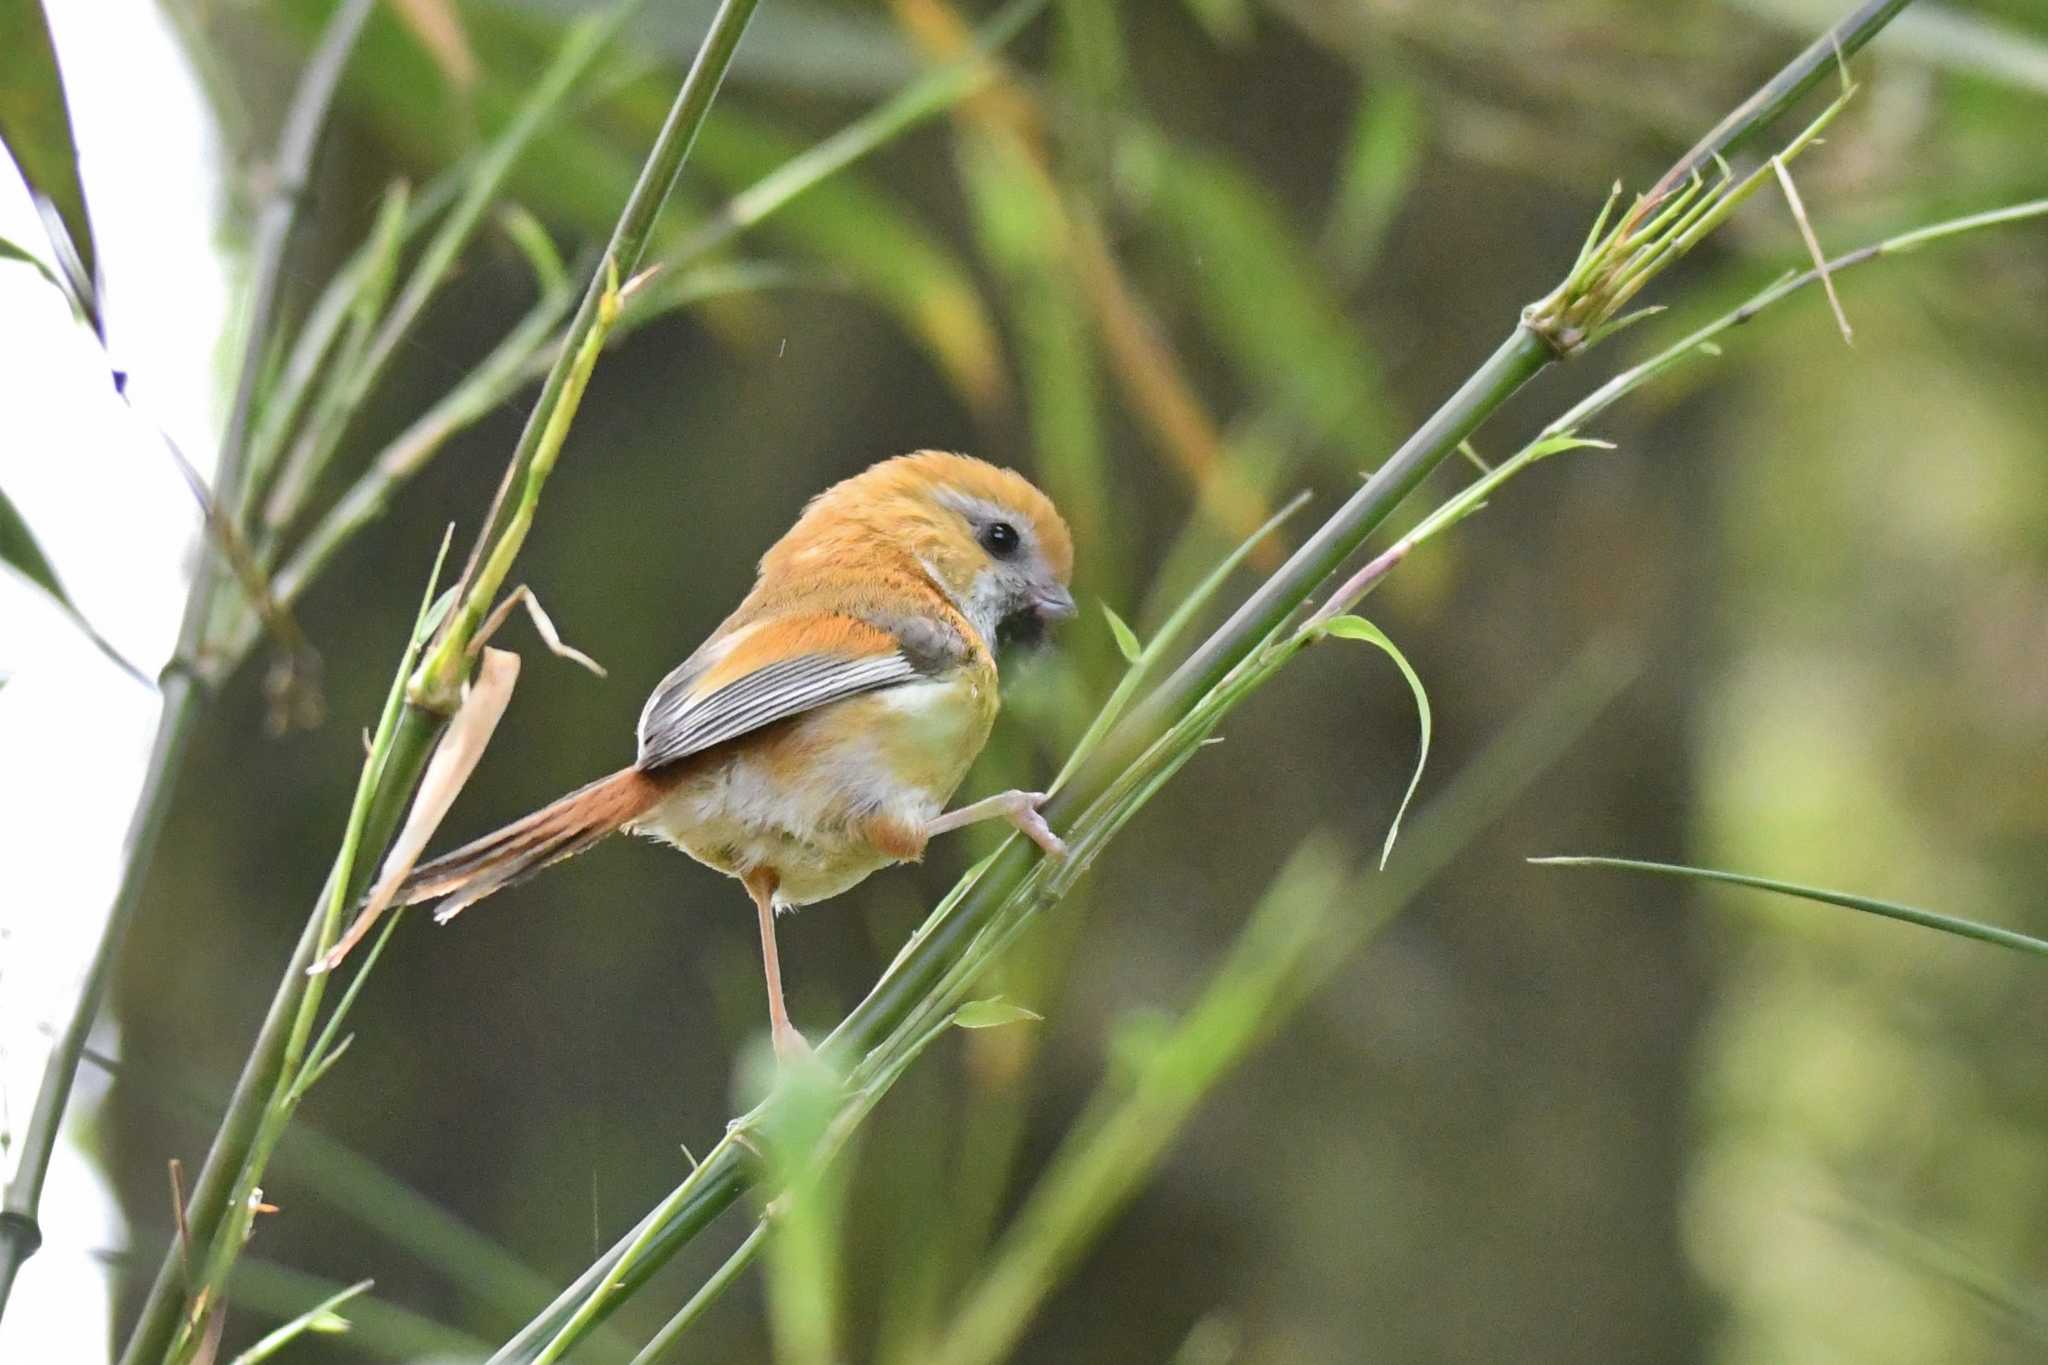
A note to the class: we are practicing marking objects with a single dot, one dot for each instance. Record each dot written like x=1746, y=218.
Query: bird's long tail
x=554, y=832
x=561, y=830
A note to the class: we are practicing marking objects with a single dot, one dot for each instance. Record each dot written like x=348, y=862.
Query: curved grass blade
x=1926, y=919
x=1358, y=628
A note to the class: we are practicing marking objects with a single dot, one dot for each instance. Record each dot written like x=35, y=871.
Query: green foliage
x=1264, y=298
x=1381, y=161
x=1126, y=638
x=19, y=551
x=322, y=1318
x=993, y=1012
x=1358, y=628
x=878, y=241
x=1926, y=919
x=35, y=128
x=1278, y=313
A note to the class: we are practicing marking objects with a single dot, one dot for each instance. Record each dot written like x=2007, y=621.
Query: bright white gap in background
x=104, y=500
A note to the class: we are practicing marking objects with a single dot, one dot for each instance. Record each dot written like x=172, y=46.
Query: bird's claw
x=1024, y=815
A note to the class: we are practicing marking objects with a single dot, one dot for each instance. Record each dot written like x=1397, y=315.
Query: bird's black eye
x=1000, y=539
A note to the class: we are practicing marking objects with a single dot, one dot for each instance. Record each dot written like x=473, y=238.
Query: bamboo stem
x=1131, y=762
x=441, y=675
x=181, y=687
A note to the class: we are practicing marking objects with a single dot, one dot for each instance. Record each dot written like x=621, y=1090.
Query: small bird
x=819, y=733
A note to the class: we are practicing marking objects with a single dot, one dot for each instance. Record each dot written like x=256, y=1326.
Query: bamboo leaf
x=10, y=251
x=320, y=1318
x=1926, y=919
x=1358, y=628
x=36, y=129
x=1126, y=638
x=993, y=1012
x=19, y=550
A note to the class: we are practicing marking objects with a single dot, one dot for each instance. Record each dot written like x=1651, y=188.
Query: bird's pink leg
x=1019, y=808
x=789, y=1044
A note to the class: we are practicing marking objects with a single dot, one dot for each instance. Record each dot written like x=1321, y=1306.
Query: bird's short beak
x=1053, y=603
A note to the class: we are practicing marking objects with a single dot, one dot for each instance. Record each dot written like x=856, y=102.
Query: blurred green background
x=1185, y=259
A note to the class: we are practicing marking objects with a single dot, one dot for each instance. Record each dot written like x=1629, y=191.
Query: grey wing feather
x=676, y=724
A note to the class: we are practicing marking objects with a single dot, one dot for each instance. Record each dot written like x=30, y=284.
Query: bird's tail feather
x=561, y=830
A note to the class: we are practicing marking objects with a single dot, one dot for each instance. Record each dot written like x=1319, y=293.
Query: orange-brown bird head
x=985, y=536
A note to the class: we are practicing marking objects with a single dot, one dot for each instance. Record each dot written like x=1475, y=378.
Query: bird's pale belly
x=806, y=803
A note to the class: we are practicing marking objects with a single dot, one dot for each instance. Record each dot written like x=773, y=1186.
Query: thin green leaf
x=18, y=549
x=377, y=1330
x=334, y=404
x=1473, y=496
x=1926, y=919
x=993, y=1012
x=1126, y=638
x=668, y=291
x=20, y=552
x=1358, y=628
x=10, y=251
x=306, y=360
x=530, y=235
x=36, y=129
x=321, y=1317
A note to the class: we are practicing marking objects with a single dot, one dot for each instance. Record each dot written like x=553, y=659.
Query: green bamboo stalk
x=1748, y=119
x=439, y=681
x=1562, y=433
x=1013, y=885
x=412, y=744
x=419, y=721
x=662, y=1344
x=20, y=1234
x=930, y=95
x=1278, y=965
x=230, y=1223
x=523, y=354
x=1308, y=925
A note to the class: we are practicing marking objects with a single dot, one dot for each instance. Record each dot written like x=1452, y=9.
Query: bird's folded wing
x=776, y=671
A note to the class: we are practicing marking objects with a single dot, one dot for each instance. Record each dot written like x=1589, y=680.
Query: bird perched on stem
x=820, y=731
